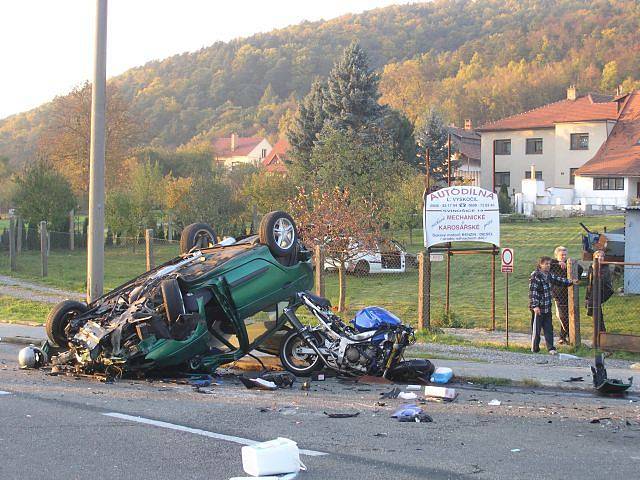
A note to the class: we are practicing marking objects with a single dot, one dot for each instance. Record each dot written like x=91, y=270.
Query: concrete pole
x=95, y=244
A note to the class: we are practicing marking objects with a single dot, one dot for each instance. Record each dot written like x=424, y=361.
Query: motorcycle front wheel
x=301, y=365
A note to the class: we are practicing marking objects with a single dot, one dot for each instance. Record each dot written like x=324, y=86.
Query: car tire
x=198, y=235
x=278, y=232
x=291, y=341
x=58, y=319
x=362, y=268
x=172, y=300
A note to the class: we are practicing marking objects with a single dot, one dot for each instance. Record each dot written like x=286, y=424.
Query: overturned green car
x=210, y=306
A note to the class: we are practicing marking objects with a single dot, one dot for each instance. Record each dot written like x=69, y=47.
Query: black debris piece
x=342, y=415
x=604, y=385
x=281, y=379
x=573, y=379
x=390, y=394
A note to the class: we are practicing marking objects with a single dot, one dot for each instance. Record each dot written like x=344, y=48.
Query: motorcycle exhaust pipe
x=302, y=330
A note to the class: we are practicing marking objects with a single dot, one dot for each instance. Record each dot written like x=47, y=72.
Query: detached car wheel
x=172, y=300
x=278, y=231
x=198, y=235
x=59, y=318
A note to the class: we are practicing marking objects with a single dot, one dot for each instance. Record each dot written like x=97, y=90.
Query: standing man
x=560, y=293
x=540, y=303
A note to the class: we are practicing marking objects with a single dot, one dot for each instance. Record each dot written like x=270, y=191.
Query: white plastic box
x=271, y=458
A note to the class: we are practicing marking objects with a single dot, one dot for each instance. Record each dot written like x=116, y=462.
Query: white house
x=466, y=143
x=557, y=139
x=612, y=176
x=235, y=150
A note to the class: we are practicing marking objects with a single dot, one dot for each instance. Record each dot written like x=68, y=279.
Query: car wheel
x=278, y=232
x=301, y=365
x=198, y=235
x=59, y=318
x=172, y=300
x=362, y=268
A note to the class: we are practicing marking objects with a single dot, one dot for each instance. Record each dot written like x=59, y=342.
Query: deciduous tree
x=342, y=226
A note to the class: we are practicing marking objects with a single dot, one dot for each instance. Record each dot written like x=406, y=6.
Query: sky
x=47, y=45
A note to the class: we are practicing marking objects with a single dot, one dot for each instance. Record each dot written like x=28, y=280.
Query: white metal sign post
x=506, y=257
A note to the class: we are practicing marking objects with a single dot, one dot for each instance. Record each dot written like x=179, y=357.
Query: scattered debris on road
x=494, y=403
x=342, y=415
x=604, y=385
x=442, y=375
x=275, y=457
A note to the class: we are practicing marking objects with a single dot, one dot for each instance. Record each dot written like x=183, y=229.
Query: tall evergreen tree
x=306, y=126
x=351, y=96
x=433, y=136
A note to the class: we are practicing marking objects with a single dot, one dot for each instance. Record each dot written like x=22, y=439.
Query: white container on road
x=271, y=458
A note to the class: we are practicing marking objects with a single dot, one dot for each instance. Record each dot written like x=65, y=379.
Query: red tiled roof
x=244, y=145
x=274, y=161
x=619, y=155
x=590, y=107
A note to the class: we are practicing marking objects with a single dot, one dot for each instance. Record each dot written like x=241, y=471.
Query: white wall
x=567, y=158
x=586, y=195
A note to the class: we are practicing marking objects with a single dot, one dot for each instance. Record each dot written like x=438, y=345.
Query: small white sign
x=506, y=257
x=436, y=257
x=461, y=214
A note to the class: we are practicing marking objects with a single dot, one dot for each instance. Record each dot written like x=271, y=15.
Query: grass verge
x=14, y=310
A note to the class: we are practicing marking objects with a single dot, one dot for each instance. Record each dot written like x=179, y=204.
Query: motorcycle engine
x=360, y=354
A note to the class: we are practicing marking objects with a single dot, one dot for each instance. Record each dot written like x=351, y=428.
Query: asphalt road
x=57, y=426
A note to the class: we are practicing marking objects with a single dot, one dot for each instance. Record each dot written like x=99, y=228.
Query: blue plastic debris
x=442, y=375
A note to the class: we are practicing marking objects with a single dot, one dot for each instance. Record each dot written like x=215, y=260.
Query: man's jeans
x=541, y=322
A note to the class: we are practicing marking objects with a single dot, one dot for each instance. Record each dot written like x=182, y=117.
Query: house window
x=503, y=147
x=264, y=153
x=608, y=183
x=579, y=141
x=502, y=178
x=527, y=174
x=534, y=146
x=572, y=176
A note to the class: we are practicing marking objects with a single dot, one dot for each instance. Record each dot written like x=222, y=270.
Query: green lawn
x=470, y=277
x=470, y=291
x=17, y=310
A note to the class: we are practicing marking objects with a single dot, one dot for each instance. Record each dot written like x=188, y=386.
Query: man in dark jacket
x=606, y=289
x=540, y=303
x=560, y=293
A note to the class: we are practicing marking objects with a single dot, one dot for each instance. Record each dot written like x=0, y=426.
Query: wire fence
x=385, y=278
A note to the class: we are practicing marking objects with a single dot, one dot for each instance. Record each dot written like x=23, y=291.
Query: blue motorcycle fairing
x=374, y=318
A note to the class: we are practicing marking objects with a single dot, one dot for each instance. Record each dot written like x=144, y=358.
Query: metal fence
x=389, y=281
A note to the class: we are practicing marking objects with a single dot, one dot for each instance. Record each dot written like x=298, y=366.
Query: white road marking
x=2, y=392
x=197, y=431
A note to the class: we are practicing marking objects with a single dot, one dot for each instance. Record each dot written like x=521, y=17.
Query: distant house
x=557, y=139
x=466, y=143
x=235, y=150
x=275, y=160
x=612, y=176
x=579, y=153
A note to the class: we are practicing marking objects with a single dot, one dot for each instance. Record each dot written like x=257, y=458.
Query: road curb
x=22, y=340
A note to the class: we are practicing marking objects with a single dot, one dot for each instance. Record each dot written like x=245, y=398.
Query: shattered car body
x=194, y=313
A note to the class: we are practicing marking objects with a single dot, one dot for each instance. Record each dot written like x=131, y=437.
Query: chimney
x=234, y=142
x=533, y=172
x=571, y=92
x=468, y=125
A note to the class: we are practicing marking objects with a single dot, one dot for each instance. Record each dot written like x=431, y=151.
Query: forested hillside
x=480, y=59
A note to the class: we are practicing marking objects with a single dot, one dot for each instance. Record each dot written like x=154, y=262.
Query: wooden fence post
x=169, y=229
x=573, y=301
x=44, y=249
x=19, y=230
x=148, y=241
x=318, y=259
x=72, y=230
x=596, y=295
x=12, y=244
x=424, y=290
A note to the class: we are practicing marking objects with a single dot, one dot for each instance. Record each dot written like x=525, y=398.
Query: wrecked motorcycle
x=373, y=344
x=210, y=306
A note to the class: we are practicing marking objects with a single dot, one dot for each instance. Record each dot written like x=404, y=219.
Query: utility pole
x=95, y=244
